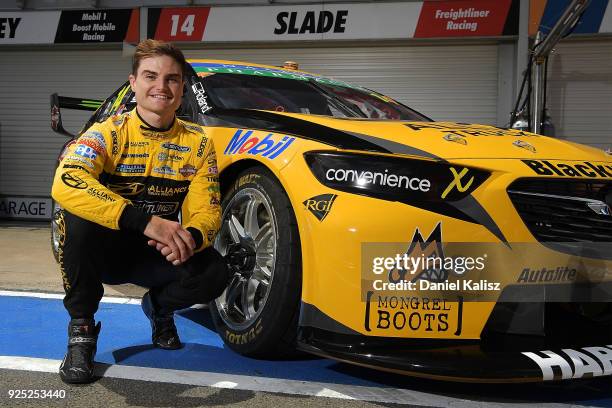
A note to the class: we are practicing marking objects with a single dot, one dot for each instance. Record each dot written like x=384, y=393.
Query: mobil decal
x=248, y=142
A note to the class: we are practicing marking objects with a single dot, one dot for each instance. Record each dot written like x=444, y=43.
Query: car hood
x=435, y=140
x=451, y=140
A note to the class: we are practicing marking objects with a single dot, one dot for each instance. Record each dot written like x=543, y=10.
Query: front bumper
x=501, y=359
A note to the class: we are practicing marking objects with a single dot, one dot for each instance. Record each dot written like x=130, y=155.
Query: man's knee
x=211, y=273
x=81, y=235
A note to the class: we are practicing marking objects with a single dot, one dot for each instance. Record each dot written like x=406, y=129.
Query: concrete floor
x=26, y=261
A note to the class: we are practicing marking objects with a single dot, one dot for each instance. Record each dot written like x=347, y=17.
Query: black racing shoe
x=163, y=330
x=78, y=364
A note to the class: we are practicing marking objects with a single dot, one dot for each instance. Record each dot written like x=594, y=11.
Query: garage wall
x=28, y=146
x=579, y=96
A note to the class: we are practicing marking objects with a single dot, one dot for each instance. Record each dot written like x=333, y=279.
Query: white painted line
x=105, y=299
x=326, y=392
x=379, y=394
x=243, y=382
x=30, y=364
x=225, y=384
x=43, y=295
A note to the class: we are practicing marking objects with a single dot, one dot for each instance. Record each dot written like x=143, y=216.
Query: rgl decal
x=320, y=205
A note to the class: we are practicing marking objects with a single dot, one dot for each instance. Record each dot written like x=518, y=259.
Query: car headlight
x=422, y=183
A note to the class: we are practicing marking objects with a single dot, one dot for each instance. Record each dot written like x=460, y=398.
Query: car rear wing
x=58, y=102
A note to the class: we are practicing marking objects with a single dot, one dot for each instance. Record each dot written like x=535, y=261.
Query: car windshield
x=282, y=91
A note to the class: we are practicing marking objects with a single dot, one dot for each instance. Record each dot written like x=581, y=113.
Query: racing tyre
x=257, y=314
x=57, y=230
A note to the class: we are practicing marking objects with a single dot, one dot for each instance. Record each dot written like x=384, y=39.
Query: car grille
x=564, y=210
x=546, y=311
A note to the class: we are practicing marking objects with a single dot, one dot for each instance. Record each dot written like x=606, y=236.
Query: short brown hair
x=152, y=48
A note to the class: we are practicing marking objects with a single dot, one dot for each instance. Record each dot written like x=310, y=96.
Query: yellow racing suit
x=121, y=172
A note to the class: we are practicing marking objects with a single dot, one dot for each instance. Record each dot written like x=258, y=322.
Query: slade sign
x=310, y=22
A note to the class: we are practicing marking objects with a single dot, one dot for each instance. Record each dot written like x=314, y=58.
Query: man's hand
x=170, y=239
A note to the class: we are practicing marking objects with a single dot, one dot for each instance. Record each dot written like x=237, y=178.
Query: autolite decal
x=244, y=142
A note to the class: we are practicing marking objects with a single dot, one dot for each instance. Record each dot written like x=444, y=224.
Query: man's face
x=158, y=85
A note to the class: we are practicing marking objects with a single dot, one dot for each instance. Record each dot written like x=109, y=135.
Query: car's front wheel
x=257, y=314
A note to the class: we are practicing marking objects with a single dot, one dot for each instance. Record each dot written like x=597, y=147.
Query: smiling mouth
x=164, y=97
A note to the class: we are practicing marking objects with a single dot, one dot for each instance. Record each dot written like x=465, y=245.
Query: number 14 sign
x=181, y=24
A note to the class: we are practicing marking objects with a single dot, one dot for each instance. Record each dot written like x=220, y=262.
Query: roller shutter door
x=28, y=146
x=579, y=96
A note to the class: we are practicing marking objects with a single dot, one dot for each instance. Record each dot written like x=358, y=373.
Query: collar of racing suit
x=146, y=128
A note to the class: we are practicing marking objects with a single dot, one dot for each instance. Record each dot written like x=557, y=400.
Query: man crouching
x=122, y=185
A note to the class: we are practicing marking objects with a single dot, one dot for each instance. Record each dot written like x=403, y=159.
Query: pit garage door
x=579, y=96
x=28, y=146
x=444, y=82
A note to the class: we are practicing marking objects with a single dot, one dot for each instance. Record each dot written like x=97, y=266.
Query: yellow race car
x=360, y=230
